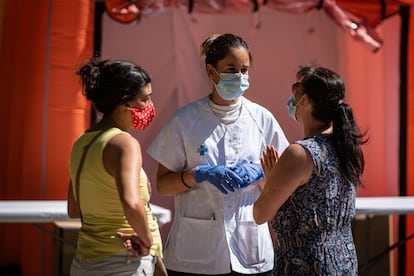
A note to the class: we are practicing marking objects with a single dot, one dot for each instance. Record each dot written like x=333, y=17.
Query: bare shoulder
x=297, y=161
x=122, y=150
x=123, y=142
x=297, y=152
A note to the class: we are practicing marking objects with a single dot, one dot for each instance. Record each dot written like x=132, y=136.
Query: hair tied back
x=94, y=72
x=205, y=46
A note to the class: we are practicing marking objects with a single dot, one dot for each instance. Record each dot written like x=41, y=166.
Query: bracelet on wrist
x=182, y=180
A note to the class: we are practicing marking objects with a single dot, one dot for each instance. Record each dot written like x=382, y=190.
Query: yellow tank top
x=101, y=208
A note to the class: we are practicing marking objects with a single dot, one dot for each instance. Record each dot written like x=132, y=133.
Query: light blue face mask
x=291, y=107
x=232, y=85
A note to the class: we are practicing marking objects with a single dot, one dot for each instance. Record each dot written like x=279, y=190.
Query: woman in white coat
x=209, y=155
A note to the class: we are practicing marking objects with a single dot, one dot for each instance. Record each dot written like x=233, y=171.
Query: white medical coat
x=214, y=233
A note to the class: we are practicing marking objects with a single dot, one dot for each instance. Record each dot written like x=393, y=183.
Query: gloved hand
x=221, y=177
x=248, y=172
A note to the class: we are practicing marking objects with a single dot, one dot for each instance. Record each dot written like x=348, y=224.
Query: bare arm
x=170, y=183
x=73, y=205
x=292, y=170
x=123, y=160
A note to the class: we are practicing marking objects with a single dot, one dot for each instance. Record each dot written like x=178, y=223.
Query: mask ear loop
x=299, y=100
x=216, y=72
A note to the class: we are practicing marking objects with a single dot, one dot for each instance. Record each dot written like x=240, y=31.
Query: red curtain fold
x=371, y=10
x=358, y=18
x=42, y=112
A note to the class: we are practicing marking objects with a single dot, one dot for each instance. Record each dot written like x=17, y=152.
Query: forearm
x=172, y=183
x=261, y=184
x=137, y=218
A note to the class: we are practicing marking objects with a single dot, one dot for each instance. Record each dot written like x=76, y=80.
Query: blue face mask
x=232, y=85
x=291, y=106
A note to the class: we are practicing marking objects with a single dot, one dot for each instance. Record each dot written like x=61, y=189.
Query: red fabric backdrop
x=42, y=111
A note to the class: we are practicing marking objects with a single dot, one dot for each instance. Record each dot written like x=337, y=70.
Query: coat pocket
x=194, y=241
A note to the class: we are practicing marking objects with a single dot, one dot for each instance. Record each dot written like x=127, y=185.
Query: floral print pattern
x=313, y=227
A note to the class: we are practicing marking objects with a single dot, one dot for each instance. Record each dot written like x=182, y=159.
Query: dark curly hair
x=109, y=83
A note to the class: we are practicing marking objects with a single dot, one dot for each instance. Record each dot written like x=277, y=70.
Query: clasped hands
x=229, y=178
x=134, y=244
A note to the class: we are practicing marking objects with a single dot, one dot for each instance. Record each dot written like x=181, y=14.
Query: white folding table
x=43, y=211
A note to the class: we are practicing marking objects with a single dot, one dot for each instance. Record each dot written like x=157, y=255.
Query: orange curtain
x=373, y=12
x=373, y=91
x=42, y=112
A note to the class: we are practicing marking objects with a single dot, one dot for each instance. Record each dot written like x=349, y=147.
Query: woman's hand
x=134, y=244
x=269, y=159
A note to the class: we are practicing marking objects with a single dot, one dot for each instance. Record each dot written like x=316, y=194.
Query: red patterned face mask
x=143, y=116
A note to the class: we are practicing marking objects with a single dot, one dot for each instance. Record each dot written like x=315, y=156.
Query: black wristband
x=182, y=180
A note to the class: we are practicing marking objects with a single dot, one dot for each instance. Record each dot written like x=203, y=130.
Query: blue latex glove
x=248, y=172
x=221, y=177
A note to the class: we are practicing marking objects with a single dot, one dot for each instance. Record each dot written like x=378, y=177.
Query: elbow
x=162, y=190
x=258, y=217
x=131, y=207
x=259, y=220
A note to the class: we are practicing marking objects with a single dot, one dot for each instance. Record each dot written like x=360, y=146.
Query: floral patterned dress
x=313, y=227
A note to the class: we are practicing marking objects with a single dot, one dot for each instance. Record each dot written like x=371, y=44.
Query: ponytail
x=347, y=140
